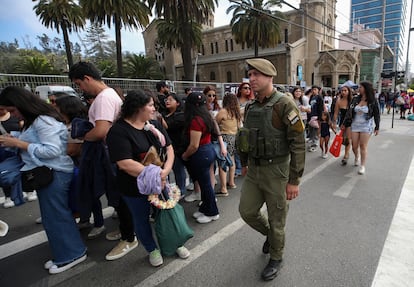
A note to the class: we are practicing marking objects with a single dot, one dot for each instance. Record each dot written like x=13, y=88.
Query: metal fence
x=32, y=81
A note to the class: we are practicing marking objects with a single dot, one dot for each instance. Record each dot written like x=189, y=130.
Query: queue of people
x=103, y=150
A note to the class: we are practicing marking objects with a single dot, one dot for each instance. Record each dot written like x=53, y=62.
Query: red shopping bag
x=335, y=148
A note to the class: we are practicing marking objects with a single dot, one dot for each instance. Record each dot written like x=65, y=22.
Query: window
x=227, y=46
x=212, y=48
x=202, y=50
x=231, y=44
x=212, y=76
x=229, y=80
x=216, y=48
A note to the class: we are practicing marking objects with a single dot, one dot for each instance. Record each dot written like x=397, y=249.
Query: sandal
x=344, y=161
x=222, y=194
x=232, y=186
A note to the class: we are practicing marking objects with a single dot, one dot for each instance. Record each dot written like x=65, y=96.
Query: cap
x=262, y=65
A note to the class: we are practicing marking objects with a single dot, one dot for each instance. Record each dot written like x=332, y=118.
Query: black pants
x=126, y=224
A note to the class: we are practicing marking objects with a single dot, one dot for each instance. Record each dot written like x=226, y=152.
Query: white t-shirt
x=105, y=107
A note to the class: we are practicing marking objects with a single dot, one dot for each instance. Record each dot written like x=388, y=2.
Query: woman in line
x=128, y=142
x=302, y=102
x=212, y=100
x=43, y=142
x=174, y=124
x=361, y=116
x=228, y=119
x=200, y=154
x=341, y=108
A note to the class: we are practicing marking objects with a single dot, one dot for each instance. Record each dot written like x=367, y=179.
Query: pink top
x=105, y=107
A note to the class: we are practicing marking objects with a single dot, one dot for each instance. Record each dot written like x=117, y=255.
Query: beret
x=262, y=65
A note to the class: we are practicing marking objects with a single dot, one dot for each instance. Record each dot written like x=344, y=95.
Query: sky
x=19, y=21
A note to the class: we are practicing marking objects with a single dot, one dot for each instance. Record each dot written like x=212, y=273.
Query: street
x=344, y=229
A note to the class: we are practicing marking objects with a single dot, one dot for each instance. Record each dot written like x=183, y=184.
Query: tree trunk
x=118, y=46
x=67, y=45
x=256, y=49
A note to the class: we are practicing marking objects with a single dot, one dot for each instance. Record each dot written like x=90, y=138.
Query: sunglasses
x=52, y=101
x=246, y=88
x=211, y=95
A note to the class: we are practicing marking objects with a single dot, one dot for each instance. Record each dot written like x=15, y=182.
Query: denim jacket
x=47, y=140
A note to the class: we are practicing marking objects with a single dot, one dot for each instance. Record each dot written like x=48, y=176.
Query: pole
x=382, y=45
x=195, y=70
x=408, y=48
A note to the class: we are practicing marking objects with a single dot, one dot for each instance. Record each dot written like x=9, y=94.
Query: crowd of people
x=99, y=148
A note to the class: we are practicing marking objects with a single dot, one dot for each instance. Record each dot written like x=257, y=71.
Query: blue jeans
x=61, y=230
x=179, y=173
x=140, y=211
x=237, y=163
x=199, y=167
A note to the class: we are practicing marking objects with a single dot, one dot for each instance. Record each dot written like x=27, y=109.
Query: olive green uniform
x=271, y=168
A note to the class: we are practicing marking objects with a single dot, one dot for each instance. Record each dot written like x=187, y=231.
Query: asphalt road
x=336, y=232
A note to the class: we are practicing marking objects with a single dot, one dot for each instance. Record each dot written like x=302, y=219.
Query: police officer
x=273, y=162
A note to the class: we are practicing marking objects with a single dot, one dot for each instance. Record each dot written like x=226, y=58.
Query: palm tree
x=180, y=25
x=139, y=66
x=121, y=13
x=34, y=65
x=62, y=15
x=252, y=23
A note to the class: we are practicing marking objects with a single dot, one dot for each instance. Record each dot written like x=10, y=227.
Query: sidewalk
x=402, y=127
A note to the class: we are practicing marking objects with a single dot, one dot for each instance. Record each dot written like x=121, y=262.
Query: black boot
x=272, y=269
x=266, y=246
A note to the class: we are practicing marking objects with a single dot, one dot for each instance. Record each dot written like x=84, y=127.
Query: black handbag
x=36, y=178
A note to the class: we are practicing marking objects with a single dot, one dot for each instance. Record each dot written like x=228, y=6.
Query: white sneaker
x=356, y=162
x=55, y=269
x=197, y=214
x=361, y=170
x=4, y=228
x=207, y=219
x=193, y=197
x=155, y=258
x=32, y=196
x=8, y=203
x=39, y=221
x=190, y=187
x=182, y=252
x=325, y=155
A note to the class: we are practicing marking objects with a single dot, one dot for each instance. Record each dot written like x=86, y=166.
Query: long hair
x=209, y=88
x=196, y=106
x=350, y=93
x=72, y=107
x=369, y=92
x=251, y=95
x=134, y=101
x=301, y=96
x=29, y=105
x=231, y=104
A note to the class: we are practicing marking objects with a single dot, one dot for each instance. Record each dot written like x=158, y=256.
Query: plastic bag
x=335, y=148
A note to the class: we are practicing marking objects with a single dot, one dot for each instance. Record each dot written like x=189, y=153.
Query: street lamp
x=195, y=69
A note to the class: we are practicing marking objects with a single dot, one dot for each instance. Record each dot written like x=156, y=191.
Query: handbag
x=172, y=229
x=152, y=157
x=314, y=122
x=36, y=178
x=335, y=148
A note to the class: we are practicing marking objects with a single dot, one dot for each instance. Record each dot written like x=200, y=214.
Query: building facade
x=307, y=34
x=369, y=13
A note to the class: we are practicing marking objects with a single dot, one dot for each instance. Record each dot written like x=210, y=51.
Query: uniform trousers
x=267, y=184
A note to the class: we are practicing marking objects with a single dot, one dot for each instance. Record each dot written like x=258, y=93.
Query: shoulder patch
x=293, y=117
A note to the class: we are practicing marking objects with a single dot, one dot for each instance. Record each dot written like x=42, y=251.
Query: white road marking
x=345, y=190
x=396, y=264
x=21, y=244
x=166, y=272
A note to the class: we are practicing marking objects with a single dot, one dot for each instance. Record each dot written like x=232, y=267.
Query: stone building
x=306, y=54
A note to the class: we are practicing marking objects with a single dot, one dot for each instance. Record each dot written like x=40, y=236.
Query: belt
x=261, y=161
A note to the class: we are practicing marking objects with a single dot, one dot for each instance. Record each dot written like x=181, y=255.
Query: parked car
x=44, y=91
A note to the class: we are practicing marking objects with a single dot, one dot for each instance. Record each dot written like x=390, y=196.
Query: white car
x=44, y=91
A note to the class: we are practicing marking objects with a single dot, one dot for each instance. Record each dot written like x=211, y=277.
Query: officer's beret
x=262, y=65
